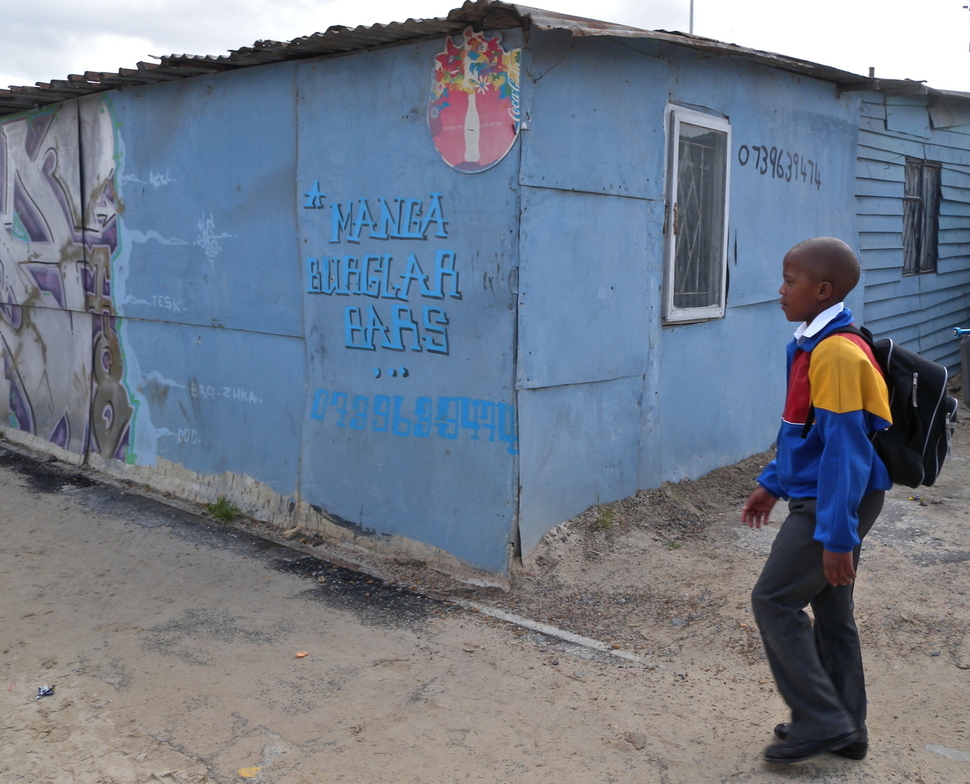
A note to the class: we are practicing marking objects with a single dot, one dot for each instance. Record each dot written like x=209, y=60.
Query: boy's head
x=818, y=273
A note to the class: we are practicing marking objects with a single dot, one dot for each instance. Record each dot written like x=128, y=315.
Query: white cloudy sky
x=41, y=40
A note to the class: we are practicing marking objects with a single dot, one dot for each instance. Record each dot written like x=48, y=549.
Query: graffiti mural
x=62, y=358
x=474, y=107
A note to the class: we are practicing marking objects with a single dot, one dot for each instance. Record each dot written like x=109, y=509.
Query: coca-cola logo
x=473, y=112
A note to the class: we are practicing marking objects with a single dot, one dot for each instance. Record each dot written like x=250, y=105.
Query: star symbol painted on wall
x=314, y=199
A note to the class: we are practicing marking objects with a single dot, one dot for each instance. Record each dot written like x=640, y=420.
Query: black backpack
x=918, y=441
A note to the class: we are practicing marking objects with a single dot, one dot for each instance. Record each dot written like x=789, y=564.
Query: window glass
x=696, y=229
x=921, y=216
x=931, y=216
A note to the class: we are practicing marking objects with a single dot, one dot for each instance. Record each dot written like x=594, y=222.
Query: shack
x=434, y=287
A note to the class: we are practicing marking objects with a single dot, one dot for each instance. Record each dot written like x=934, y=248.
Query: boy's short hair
x=830, y=259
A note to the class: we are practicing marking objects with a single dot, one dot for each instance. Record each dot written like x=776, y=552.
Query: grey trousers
x=817, y=667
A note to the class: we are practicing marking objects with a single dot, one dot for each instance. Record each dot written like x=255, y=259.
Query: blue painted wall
x=725, y=403
x=410, y=424
x=270, y=278
x=230, y=313
x=601, y=378
x=206, y=274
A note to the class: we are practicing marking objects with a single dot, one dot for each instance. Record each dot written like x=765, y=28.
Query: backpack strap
x=851, y=329
x=809, y=420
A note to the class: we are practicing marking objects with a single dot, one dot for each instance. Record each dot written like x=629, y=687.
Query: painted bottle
x=473, y=130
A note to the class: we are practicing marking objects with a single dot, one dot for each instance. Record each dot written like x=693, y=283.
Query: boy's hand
x=838, y=568
x=757, y=510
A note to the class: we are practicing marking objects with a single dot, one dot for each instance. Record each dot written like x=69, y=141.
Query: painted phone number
x=444, y=417
x=783, y=165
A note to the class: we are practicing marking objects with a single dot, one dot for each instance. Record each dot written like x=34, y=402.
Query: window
x=921, y=216
x=696, y=222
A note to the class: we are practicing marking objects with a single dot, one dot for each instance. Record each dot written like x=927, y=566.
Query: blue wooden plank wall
x=918, y=311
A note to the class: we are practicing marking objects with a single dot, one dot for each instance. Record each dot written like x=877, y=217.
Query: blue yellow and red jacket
x=835, y=463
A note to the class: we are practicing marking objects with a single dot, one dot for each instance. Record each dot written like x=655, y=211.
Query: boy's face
x=803, y=295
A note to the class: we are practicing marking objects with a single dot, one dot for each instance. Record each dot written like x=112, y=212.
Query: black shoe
x=856, y=750
x=793, y=749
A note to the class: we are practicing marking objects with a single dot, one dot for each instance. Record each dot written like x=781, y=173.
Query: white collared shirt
x=806, y=330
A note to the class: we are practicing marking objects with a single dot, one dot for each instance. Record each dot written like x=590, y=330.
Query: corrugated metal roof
x=340, y=40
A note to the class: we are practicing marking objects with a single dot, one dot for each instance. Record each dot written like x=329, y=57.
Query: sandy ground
x=171, y=645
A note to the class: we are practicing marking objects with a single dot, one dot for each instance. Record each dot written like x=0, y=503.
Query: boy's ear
x=825, y=290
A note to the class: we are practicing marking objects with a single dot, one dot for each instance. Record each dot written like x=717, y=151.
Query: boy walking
x=834, y=483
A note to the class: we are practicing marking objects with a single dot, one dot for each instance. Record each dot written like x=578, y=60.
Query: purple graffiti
x=61, y=434
x=102, y=229
x=121, y=450
x=107, y=415
x=49, y=280
x=57, y=187
x=106, y=360
x=56, y=191
x=37, y=129
x=19, y=402
x=28, y=216
x=87, y=280
x=12, y=313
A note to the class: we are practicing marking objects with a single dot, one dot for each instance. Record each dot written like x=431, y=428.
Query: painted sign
x=474, y=108
x=379, y=276
x=381, y=282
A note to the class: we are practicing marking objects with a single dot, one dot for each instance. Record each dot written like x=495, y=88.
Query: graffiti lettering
x=208, y=240
x=388, y=219
x=370, y=276
x=210, y=392
x=399, y=329
x=186, y=435
x=168, y=303
x=782, y=164
x=365, y=329
x=424, y=417
x=158, y=180
x=382, y=276
x=202, y=390
x=155, y=179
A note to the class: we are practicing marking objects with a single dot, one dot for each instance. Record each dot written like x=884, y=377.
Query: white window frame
x=675, y=116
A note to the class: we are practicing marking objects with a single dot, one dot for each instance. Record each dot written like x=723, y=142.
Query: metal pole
x=691, y=17
x=964, y=335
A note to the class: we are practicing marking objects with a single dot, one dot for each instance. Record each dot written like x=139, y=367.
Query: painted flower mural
x=474, y=108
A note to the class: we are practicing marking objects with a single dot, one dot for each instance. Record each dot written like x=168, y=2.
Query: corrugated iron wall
x=612, y=399
x=282, y=284
x=180, y=305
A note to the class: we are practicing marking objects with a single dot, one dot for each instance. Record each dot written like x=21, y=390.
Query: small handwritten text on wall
x=782, y=164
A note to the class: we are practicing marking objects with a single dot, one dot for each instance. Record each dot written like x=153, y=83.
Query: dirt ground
x=172, y=641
